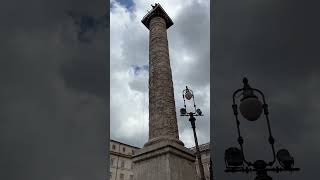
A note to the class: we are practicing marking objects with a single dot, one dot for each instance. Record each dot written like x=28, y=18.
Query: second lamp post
x=188, y=94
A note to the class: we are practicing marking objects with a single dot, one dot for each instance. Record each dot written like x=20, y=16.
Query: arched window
x=122, y=164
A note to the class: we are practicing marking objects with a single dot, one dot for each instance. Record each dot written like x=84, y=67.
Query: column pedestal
x=165, y=160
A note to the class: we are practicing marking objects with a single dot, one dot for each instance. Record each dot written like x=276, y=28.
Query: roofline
x=202, y=144
x=140, y=147
x=201, y=150
x=124, y=144
x=194, y=147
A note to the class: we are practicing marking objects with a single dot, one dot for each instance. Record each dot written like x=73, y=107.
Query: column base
x=165, y=160
x=163, y=139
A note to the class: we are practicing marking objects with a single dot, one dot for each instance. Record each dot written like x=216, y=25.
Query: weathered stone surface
x=164, y=160
x=162, y=114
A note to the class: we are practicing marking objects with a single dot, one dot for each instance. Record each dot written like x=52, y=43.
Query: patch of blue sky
x=137, y=70
x=128, y=4
x=112, y=5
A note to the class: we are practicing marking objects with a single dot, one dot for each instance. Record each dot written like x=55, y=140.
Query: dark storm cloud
x=53, y=126
x=273, y=43
x=87, y=25
x=85, y=73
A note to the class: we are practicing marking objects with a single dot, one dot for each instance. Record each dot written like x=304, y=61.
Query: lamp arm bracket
x=235, y=93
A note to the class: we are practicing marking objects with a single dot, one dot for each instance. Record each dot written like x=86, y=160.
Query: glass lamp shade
x=188, y=95
x=199, y=112
x=251, y=108
x=233, y=157
x=285, y=159
x=183, y=111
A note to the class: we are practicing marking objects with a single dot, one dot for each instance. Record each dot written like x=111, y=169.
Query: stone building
x=121, y=160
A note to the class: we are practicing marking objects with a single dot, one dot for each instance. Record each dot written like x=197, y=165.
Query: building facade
x=121, y=164
x=205, y=158
x=121, y=160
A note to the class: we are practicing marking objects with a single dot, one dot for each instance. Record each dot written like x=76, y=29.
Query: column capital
x=157, y=10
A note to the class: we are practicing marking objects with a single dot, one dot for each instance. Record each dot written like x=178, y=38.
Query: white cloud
x=189, y=54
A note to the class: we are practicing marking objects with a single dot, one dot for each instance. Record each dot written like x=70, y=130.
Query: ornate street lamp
x=251, y=109
x=188, y=94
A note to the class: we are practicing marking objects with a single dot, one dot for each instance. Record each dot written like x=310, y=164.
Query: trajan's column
x=164, y=156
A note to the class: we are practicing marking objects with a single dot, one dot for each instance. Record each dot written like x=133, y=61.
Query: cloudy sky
x=189, y=49
x=276, y=45
x=54, y=67
x=53, y=76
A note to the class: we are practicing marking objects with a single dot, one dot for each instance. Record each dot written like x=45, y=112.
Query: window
x=113, y=146
x=122, y=164
x=124, y=149
x=121, y=176
x=111, y=162
x=197, y=170
x=132, y=152
x=131, y=177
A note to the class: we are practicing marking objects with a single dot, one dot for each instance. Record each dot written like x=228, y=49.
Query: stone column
x=162, y=110
x=164, y=156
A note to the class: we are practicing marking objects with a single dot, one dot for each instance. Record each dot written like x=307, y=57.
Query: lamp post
x=188, y=94
x=251, y=109
x=211, y=170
